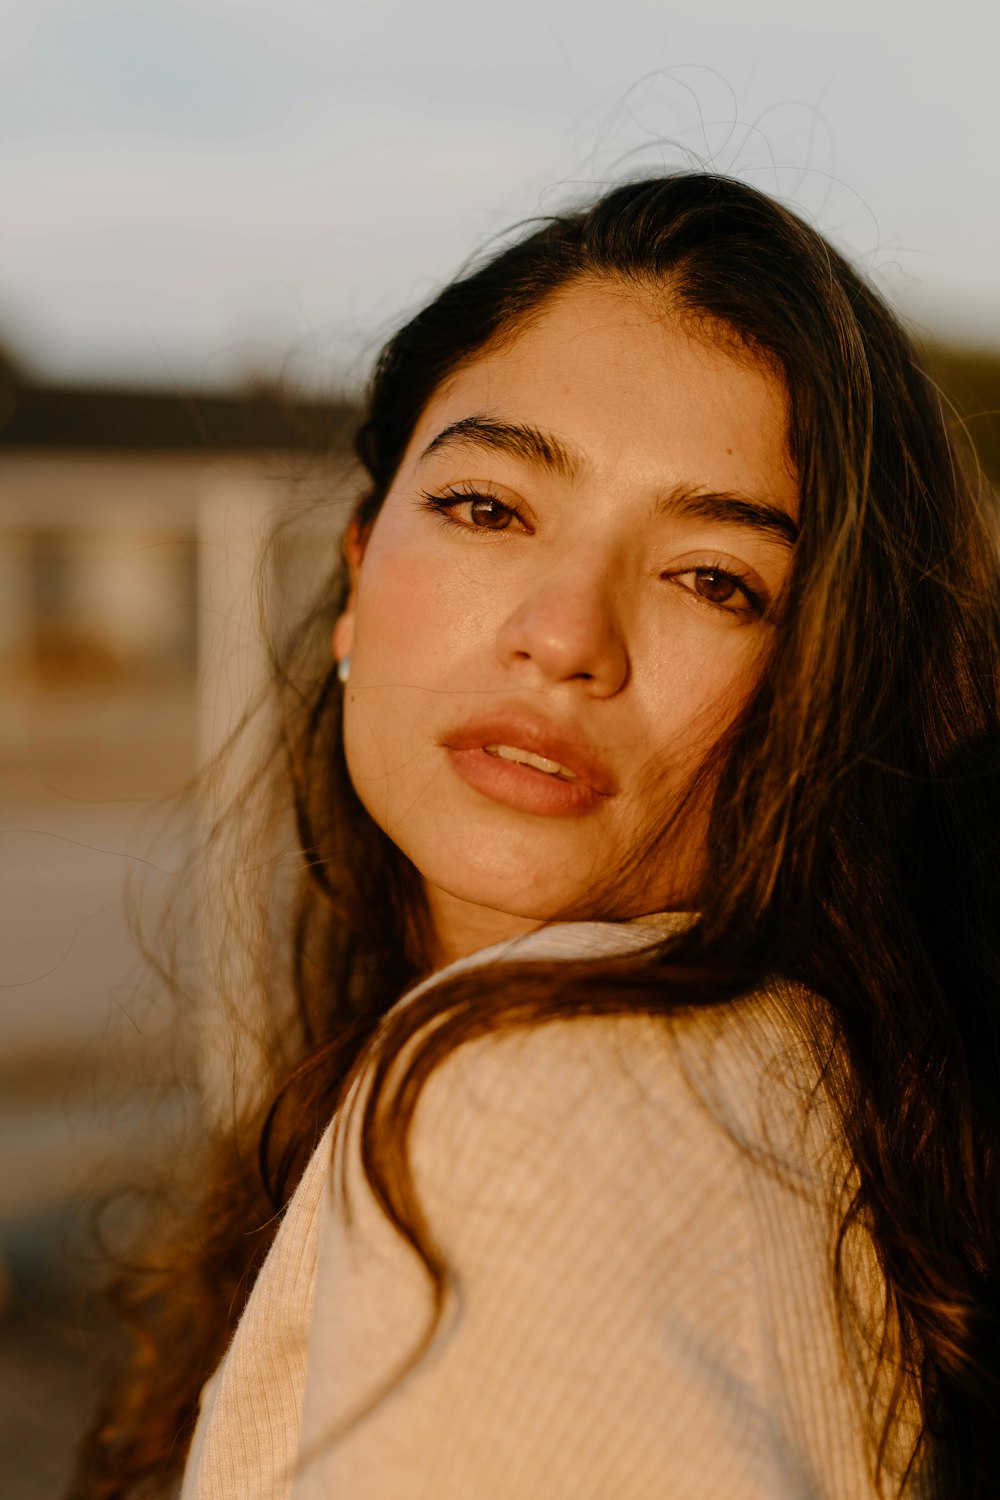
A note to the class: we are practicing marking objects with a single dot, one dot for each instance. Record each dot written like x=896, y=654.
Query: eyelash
x=443, y=505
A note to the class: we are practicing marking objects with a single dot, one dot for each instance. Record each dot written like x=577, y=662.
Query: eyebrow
x=515, y=438
x=523, y=441
x=730, y=510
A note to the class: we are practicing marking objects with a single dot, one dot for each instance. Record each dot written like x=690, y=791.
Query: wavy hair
x=852, y=843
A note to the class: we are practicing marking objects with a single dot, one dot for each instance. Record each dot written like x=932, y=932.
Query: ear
x=343, y=630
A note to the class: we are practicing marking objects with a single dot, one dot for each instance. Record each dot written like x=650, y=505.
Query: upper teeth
x=528, y=758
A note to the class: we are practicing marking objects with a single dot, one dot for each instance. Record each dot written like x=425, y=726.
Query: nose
x=566, y=629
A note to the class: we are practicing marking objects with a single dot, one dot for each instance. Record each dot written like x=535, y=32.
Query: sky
x=197, y=192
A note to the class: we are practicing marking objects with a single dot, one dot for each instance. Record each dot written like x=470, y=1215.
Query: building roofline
x=142, y=421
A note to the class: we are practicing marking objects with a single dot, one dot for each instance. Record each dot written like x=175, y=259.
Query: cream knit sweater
x=645, y=1311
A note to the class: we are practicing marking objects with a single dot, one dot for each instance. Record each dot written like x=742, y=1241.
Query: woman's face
x=564, y=601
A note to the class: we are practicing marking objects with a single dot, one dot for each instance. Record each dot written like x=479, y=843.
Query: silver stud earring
x=344, y=668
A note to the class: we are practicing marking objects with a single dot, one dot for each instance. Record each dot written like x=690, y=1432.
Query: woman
x=659, y=753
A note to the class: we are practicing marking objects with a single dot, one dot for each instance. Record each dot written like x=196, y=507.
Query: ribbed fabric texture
x=646, y=1308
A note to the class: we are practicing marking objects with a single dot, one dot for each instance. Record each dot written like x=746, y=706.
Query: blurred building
x=130, y=529
x=103, y=499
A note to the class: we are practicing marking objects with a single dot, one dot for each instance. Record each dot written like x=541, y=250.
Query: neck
x=461, y=928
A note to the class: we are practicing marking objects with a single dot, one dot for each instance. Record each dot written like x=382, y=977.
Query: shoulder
x=748, y=1064
x=654, y=1119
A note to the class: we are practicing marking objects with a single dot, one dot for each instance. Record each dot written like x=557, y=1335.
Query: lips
x=528, y=762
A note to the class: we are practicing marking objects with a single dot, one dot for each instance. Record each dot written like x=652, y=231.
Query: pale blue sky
x=196, y=189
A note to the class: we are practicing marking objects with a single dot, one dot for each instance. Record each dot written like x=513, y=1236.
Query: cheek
x=391, y=597
x=696, y=693
x=410, y=611
x=406, y=643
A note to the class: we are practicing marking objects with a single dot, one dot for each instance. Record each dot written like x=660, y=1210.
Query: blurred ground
x=86, y=1050
x=54, y=1348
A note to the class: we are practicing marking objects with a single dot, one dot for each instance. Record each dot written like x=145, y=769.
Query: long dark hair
x=852, y=844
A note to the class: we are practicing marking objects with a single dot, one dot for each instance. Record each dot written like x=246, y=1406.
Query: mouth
x=516, y=758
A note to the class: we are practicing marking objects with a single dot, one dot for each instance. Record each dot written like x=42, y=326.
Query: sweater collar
x=571, y=940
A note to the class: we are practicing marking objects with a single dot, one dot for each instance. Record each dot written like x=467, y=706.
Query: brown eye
x=474, y=510
x=728, y=592
x=717, y=588
x=489, y=514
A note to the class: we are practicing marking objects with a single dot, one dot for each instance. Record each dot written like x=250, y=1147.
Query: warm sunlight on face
x=563, y=603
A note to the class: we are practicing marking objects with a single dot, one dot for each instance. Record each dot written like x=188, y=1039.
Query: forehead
x=641, y=391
